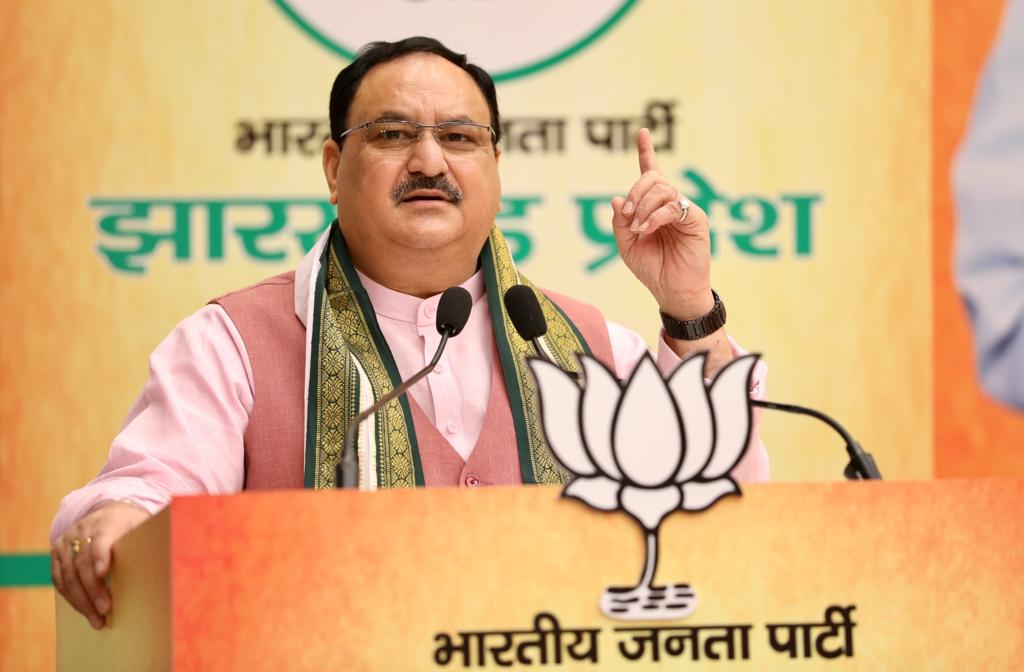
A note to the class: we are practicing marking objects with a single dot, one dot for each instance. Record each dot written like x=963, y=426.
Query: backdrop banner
x=156, y=155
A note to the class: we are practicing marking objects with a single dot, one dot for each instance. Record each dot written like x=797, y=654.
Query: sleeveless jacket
x=275, y=342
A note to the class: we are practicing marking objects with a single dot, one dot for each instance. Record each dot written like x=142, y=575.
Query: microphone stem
x=542, y=353
x=437, y=355
x=348, y=467
x=791, y=408
x=862, y=464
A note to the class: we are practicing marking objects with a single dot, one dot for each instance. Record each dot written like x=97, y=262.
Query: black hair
x=347, y=82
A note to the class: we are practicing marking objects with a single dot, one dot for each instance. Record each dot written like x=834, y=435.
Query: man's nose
x=427, y=156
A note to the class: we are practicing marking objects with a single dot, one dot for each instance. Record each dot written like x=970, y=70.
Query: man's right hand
x=80, y=559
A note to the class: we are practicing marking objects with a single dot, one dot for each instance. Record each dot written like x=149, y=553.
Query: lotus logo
x=648, y=448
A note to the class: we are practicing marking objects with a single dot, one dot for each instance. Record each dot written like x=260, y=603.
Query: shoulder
x=264, y=314
x=567, y=303
x=275, y=284
x=205, y=340
x=590, y=322
x=256, y=303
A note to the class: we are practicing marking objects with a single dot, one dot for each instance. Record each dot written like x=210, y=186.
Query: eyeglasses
x=398, y=137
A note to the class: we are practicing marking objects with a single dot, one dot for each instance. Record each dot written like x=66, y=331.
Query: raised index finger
x=645, y=150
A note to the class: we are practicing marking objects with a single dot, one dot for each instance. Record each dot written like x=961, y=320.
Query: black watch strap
x=692, y=330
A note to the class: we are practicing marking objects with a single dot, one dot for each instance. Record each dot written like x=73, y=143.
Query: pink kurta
x=186, y=432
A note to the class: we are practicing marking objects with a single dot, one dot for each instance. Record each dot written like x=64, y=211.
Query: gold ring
x=76, y=546
x=88, y=540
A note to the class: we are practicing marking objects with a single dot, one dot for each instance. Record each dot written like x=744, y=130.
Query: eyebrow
x=391, y=115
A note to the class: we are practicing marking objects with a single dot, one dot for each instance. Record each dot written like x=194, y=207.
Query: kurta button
x=429, y=311
x=451, y=427
x=439, y=368
x=472, y=481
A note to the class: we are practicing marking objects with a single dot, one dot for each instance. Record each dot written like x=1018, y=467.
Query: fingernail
x=635, y=226
x=95, y=622
x=643, y=227
x=98, y=567
x=628, y=208
x=102, y=605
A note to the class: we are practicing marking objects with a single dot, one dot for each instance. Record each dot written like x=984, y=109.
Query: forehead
x=420, y=87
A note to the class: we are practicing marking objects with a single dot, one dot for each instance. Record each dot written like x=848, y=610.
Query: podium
x=862, y=575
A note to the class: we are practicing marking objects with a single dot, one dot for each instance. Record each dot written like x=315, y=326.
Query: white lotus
x=652, y=446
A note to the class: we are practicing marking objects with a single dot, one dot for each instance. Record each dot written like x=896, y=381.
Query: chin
x=432, y=233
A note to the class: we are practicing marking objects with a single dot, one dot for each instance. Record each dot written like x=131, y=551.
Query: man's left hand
x=669, y=255
x=669, y=250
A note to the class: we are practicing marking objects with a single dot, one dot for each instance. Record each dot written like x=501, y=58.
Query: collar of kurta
x=351, y=366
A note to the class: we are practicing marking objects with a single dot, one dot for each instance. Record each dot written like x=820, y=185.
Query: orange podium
x=861, y=575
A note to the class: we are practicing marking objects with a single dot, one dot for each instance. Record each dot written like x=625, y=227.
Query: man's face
x=378, y=211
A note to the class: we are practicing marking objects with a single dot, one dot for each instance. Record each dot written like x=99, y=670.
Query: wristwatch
x=692, y=330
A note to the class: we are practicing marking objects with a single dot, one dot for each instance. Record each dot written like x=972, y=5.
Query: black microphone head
x=453, y=310
x=525, y=312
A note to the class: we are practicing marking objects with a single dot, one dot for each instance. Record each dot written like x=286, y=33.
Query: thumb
x=100, y=548
x=120, y=519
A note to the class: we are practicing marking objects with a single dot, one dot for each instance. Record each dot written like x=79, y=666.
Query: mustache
x=436, y=182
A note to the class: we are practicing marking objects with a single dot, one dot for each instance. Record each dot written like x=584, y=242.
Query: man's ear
x=497, y=156
x=331, y=160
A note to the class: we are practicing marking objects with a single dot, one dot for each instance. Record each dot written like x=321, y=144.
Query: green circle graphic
x=523, y=71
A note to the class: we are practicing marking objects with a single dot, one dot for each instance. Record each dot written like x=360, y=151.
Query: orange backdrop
x=974, y=436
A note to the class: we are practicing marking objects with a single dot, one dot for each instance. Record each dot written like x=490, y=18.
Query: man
x=256, y=389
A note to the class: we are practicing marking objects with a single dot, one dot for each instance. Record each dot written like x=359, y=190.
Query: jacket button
x=472, y=481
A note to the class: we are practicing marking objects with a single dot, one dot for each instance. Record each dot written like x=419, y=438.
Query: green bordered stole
x=351, y=366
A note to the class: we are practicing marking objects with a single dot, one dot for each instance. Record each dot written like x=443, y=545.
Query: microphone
x=528, y=318
x=862, y=465
x=525, y=312
x=452, y=314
